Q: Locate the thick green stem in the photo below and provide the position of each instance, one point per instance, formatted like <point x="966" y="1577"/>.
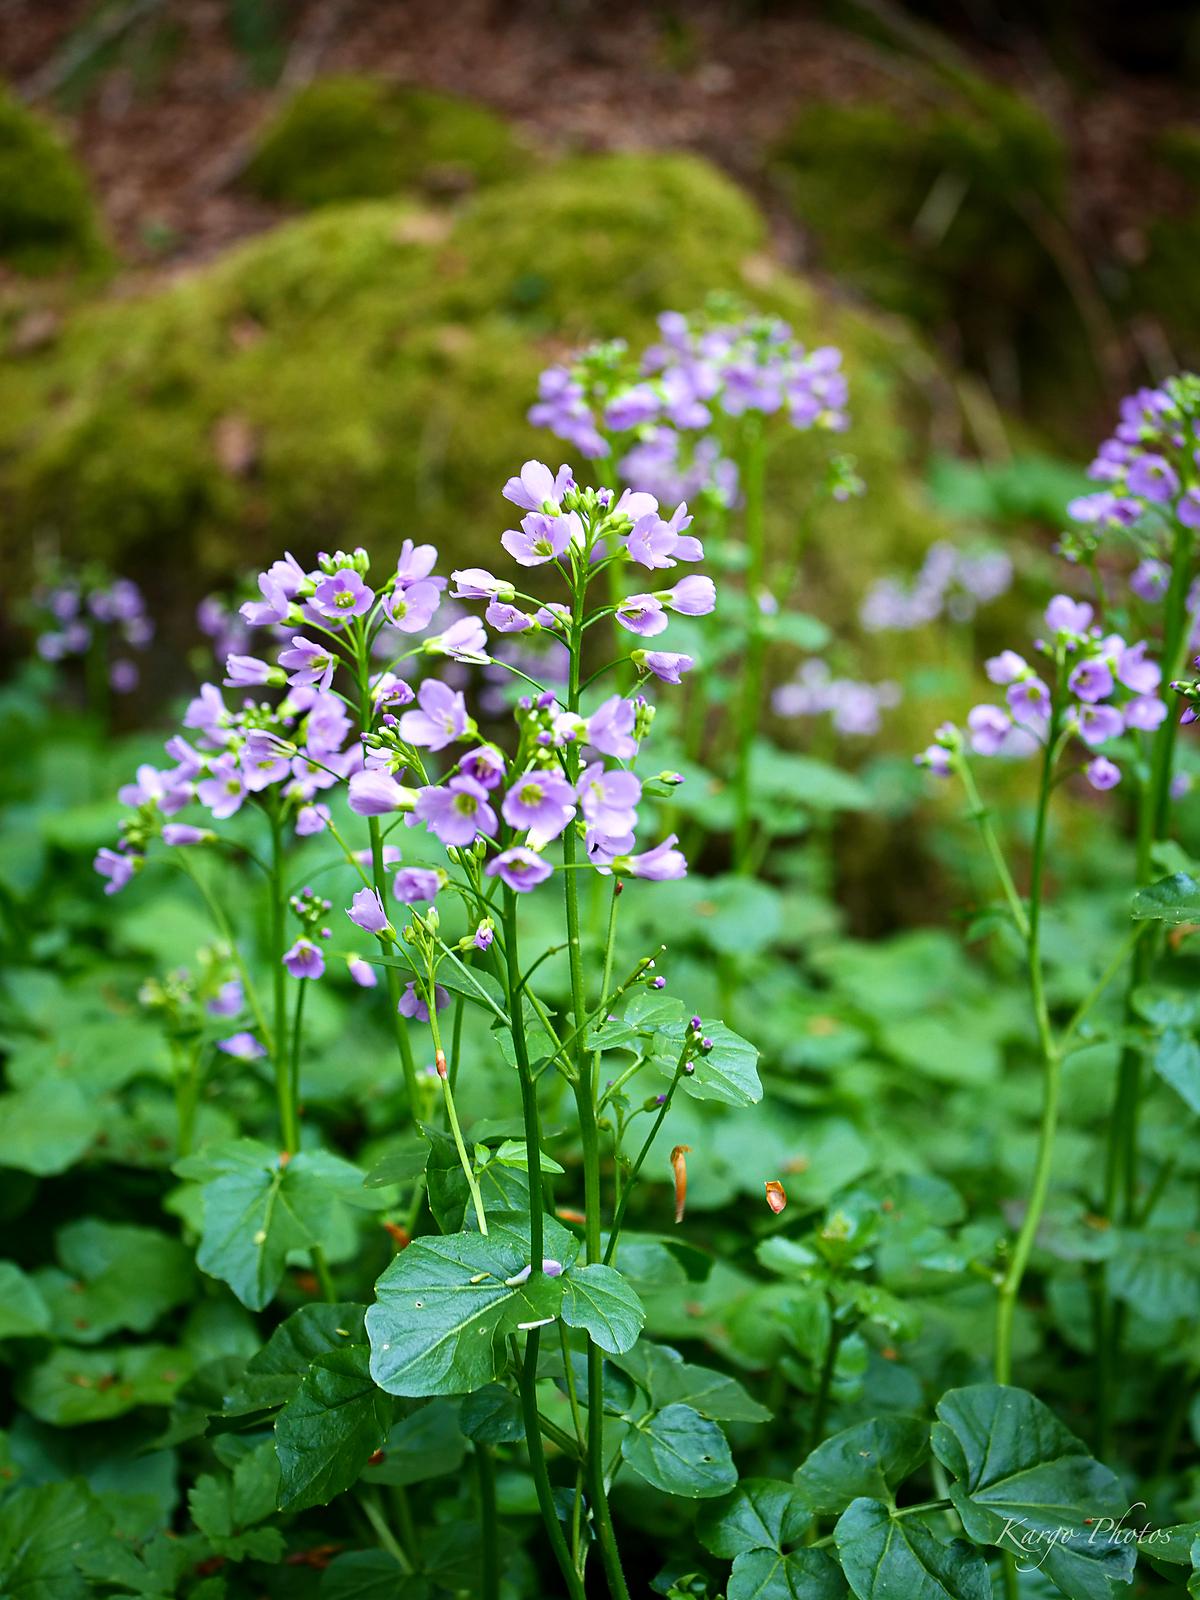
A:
<point x="289" y="1127"/>
<point x="486" y="1470"/>
<point x="749" y="707"/>
<point x="1010" y="1286"/>
<point x="537" y="1464"/>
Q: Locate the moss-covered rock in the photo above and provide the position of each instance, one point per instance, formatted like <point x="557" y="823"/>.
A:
<point x="363" y="374"/>
<point x="352" y="138"/>
<point x="48" y="222"/>
<point x="949" y="210"/>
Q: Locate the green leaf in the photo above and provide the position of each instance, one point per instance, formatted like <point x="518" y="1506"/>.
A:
<point x="274" y="1373"/>
<point x="866" y="1461"/>
<point x="113" y="1276"/>
<point x="805" y="781"/>
<point x="727" y="1073"/>
<point x="492" y="1415"/>
<point x="1025" y="1481"/>
<point x="46" y="1127"/>
<point x="598" y="1298"/>
<point x="769" y="1575"/>
<point x="680" y="1452"/>
<point x="1156" y="1270"/>
<point x="1176" y="1059"/>
<point x="426" y="1444"/>
<point x="44" y="1532"/>
<point x="259" y="1207"/>
<point x="445" y="1305"/>
<point x="760" y="1514"/>
<point x="226" y="1509"/>
<point x="400" y="1166"/>
<point x="883" y="1555"/>
<point x="1174" y="900"/>
<point x="23" y="1312"/>
<point x="796" y="628"/>
<point x="76" y="1386"/>
<point x="667" y="1378"/>
<point x="328" y="1431"/>
<point x="369" y="1575"/>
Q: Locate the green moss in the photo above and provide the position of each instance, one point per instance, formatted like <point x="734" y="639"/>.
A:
<point x="47" y="219"/>
<point x="380" y="360"/>
<point x="359" y="138"/>
<point x="950" y="212"/>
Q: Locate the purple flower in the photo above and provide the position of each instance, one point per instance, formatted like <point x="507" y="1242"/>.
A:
<point x="366" y="912"/>
<point x="666" y="665"/>
<point x="362" y="972"/>
<point x="342" y="594"/>
<point x="374" y="793"/>
<point x="117" y="866"/>
<point x="223" y="790"/>
<point x="507" y="618"/>
<point x="1099" y="723"/>
<point x="484" y="934"/>
<point x="1064" y="615"/>
<point x="1135" y="672"/>
<point x="441" y="720"/>
<point x="228" y="1000"/>
<point x="659" y="865"/>
<point x="642" y="614"/>
<point x="537" y="486"/>
<point x="989" y="728"/>
<point x="1145" y="711"/>
<point x="311" y="819"/>
<point x="519" y="868"/>
<point x="485" y="764"/>
<point x="1102" y="773"/>
<point x="464" y="640"/>
<point x="1188" y="508"/>
<point x="123" y="676"/>
<point x="609" y="799"/>
<point x="1150" y="579"/>
<point x="272" y="608"/>
<point x="1029" y="700"/>
<point x="476" y="583"/>
<point x="416" y="885"/>
<point x="416" y="563"/>
<point x="542" y="800"/>
<point x="1153" y="478"/>
<point x="541" y="538"/>
<point x="610" y="729"/>
<point x="651" y="543"/>
<point x="308" y="663"/>
<point x="242" y="1047"/>
<point x="1181" y="784"/>
<point x="937" y="758"/>
<point x="411" y="609"/>
<point x="305" y="960"/>
<point x="245" y="672"/>
<point x="1091" y="680"/>
<point x="693" y="596"/>
<point x="457" y="812"/>
<point x="180" y="833"/>
<point x="413" y="1004"/>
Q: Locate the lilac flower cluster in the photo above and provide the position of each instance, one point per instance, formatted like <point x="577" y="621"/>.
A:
<point x="418" y="754"/>
<point x="951" y="581"/>
<point x="852" y="707"/>
<point x="1101" y="688"/>
<point x="662" y="414"/>
<point x="1148" y="469"/>
<point x="78" y="613"/>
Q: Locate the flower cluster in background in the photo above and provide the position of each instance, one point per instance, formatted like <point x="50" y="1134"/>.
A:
<point x="951" y="581"/>
<point x="1100" y="688"/>
<point x="79" y="615"/>
<point x="667" y="416"/>
<point x="852" y="707"/>
<point x="1148" y="468"/>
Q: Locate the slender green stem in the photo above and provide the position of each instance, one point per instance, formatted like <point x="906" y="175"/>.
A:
<point x="537" y="1464"/>
<point x="816" y="1427"/>
<point x="289" y="1127"/>
<point x="983" y="817"/>
<point x="221" y="922"/>
<point x="443" y="1073"/>
<point x="619" y="1218"/>
<point x="1010" y="1285"/>
<point x="368" y="1500"/>
<point x="754" y="481"/>
<point x="187" y="1092"/>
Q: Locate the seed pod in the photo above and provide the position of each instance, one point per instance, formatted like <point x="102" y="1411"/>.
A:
<point x="776" y="1195"/>
<point x="679" y="1167"/>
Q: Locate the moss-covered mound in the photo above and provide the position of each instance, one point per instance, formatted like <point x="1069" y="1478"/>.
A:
<point x="352" y="138"/>
<point x="950" y="210"/>
<point x="363" y="374"/>
<point x="48" y="222"/>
